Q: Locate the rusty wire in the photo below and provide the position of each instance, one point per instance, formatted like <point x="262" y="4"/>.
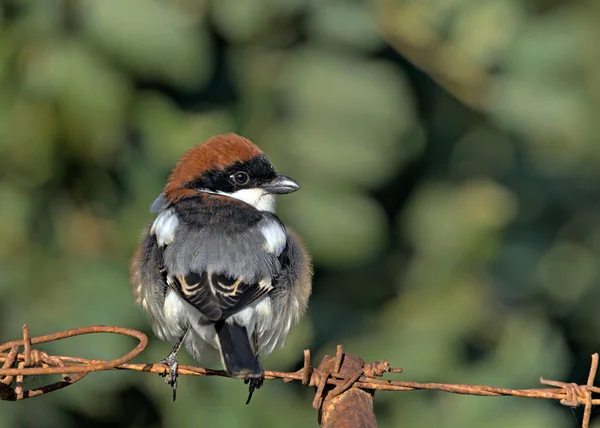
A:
<point x="36" y="362"/>
<point x="327" y="378"/>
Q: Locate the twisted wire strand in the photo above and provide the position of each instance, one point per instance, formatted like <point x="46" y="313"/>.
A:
<point x="326" y="378"/>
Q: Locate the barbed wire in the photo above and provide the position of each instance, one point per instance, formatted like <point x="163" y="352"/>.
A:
<point x="333" y="377"/>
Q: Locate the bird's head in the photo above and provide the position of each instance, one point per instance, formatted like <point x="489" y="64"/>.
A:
<point x="228" y="165"/>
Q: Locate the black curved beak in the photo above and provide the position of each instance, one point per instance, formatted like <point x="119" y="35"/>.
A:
<point x="281" y="185"/>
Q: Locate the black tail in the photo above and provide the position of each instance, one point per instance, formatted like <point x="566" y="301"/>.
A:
<point x="238" y="356"/>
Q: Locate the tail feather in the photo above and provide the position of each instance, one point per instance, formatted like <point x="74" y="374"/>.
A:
<point x="237" y="354"/>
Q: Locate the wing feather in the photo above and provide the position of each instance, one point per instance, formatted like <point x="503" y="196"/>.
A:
<point x="217" y="296"/>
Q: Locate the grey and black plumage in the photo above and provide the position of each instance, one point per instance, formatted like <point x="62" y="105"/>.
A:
<point x="217" y="269"/>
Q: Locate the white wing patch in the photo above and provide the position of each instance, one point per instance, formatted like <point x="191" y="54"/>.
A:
<point x="274" y="235"/>
<point x="164" y="227"/>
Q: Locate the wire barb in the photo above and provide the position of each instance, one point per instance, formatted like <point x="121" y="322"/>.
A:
<point x="576" y="395"/>
<point x="333" y="377"/>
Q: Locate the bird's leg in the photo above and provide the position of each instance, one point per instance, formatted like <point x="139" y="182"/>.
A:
<point x="255" y="382"/>
<point x="171" y="361"/>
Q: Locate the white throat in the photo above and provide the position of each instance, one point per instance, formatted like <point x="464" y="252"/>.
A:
<point x="256" y="197"/>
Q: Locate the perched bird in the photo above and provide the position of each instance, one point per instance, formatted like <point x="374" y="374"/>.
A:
<point x="217" y="268"/>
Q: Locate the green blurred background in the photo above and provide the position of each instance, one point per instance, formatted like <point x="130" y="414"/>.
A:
<point x="450" y="196"/>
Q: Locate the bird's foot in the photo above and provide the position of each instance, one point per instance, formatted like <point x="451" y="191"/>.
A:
<point x="171" y="377"/>
<point x="254" y="384"/>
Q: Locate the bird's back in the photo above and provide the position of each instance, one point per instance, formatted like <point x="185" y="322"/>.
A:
<point x="225" y="239"/>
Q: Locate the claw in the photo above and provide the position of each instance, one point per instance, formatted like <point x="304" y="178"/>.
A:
<point x="254" y="384"/>
<point x="171" y="377"/>
<point x="171" y="362"/>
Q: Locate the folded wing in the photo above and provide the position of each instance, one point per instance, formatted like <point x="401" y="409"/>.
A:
<point x="217" y="296"/>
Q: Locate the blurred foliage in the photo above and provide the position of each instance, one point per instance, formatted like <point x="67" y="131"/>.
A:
<point x="457" y="239"/>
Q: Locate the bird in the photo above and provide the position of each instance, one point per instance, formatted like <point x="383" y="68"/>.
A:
<point x="217" y="269"/>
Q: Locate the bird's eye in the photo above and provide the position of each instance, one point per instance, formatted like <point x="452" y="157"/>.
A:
<point x="240" y="178"/>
